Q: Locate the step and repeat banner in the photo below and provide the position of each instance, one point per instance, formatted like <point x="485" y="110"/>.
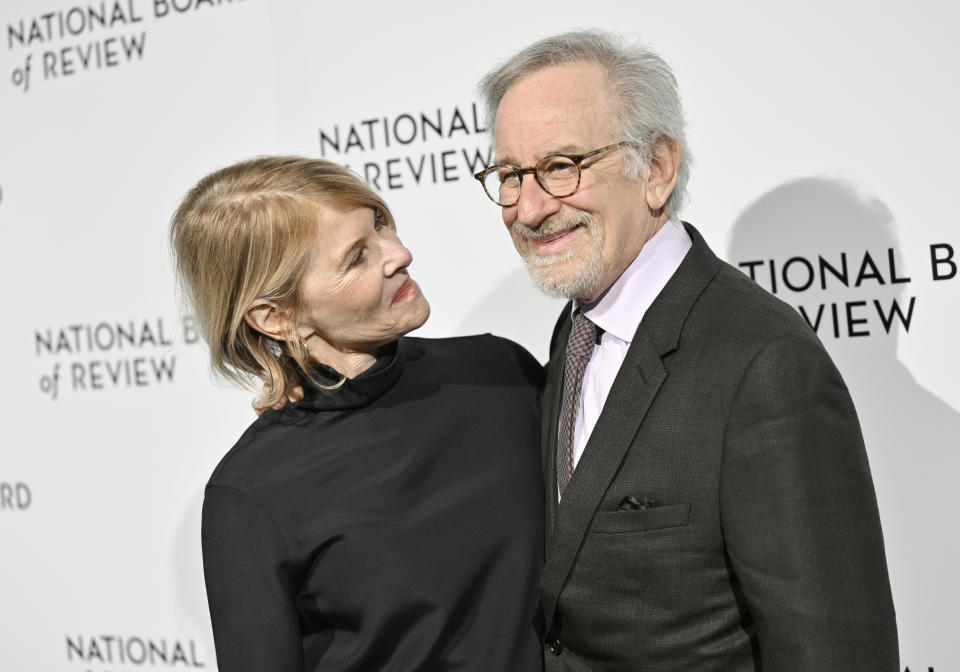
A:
<point x="826" y="158"/>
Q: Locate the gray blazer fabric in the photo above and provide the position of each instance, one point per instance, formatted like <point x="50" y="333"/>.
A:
<point x="765" y="550"/>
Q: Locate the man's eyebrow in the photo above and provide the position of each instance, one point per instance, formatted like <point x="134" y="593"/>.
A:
<point x="564" y="149"/>
<point x="553" y="151"/>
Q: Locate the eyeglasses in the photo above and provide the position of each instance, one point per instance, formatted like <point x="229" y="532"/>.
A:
<point x="558" y="175"/>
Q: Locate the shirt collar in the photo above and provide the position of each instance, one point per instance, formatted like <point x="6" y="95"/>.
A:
<point x="622" y="307"/>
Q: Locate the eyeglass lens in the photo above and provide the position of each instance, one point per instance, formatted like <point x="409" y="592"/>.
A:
<point x="558" y="175"/>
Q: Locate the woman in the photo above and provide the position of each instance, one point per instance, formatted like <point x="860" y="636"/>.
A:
<point x="392" y="519"/>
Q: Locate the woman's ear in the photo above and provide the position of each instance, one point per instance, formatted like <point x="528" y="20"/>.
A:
<point x="268" y="319"/>
<point x="663" y="171"/>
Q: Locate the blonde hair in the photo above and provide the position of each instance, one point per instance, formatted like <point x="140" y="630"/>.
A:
<point x="246" y="233"/>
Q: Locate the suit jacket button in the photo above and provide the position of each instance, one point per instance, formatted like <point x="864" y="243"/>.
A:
<point x="554" y="646"/>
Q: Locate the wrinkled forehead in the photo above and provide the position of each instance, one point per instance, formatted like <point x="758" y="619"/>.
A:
<point x="560" y="108"/>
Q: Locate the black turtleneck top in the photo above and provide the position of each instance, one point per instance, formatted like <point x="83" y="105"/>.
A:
<point x="394" y="524"/>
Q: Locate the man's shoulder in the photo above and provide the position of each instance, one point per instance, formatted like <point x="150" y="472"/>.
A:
<point x="709" y="300"/>
<point x="747" y="304"/>
<point x="734" y="319"/>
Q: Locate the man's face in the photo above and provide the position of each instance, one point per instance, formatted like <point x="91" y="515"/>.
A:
<point x="576" y="246"/>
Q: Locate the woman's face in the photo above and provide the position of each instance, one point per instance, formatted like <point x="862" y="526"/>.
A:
<point x="357" y="295"/>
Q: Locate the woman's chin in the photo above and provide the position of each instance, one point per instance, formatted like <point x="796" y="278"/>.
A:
<point x="420" y="314"/>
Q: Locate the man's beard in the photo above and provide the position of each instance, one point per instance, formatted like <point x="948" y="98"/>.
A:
<point x="583" y="281"/>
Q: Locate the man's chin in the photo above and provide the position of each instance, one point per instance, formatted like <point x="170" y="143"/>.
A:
<point x="562" y="283"/>
<point x="548" y="262"/>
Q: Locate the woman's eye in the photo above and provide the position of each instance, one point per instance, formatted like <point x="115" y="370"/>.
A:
<point x="358" y="258"/>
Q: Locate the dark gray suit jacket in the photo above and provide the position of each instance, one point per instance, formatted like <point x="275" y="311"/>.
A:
<point x="765" y="550"/>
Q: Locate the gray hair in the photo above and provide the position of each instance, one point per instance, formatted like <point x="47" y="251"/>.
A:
<point x="642" y="83"/>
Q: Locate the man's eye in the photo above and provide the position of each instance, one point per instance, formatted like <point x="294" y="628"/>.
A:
<point x="557" y="167"/>
<point x="507" y="177"/>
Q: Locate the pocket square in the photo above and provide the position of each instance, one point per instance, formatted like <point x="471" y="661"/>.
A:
<point x="631" y="503"/>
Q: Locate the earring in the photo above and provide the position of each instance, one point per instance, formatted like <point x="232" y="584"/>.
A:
<point x="274" y="348"/>
<point x="336" y="386"/>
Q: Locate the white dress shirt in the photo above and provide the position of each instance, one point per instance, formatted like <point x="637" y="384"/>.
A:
<point x="618" y="314"/>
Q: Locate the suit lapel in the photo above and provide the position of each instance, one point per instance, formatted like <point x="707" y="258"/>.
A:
<point x="635" y="387"/>
<point x="551" y="418"/>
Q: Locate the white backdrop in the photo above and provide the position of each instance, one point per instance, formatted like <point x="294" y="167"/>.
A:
<point x="822" y="134"/>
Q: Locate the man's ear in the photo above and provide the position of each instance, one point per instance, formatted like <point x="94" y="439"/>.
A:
<point x="268" y="319"/>
<point x="663" y="171"/>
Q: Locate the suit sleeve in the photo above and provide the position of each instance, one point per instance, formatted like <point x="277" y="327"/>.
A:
<point x="249" y="590"/>
<point x="800" y="517"/>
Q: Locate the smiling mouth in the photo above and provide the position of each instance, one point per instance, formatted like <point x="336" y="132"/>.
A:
<point x="407" y="289"/>
<point x="546" y="244"/>
<point x="546" y="240"/>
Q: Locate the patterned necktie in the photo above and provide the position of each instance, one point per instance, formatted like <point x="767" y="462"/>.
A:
<point x="579" y="348"/>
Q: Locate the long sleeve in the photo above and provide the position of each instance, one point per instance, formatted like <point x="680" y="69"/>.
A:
<point x="800" y="518"/>
<point x="251" y="597"/>
<point x="391" y="524"/>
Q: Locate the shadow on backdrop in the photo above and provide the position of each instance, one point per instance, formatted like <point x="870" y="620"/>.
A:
<point x="786" y="239"/>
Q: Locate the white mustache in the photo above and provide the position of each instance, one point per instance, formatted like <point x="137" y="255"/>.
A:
<point x="552" y="225"/>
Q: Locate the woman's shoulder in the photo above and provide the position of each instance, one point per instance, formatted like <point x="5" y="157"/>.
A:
<point x="483" y="355"/>
<point x="253" y="460"/>
<point x="486" y="346"/>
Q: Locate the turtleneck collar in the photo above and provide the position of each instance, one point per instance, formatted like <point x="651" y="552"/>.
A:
<point x="355" y="392"/>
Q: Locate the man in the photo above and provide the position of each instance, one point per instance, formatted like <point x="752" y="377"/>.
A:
<point x="709" y="502"/>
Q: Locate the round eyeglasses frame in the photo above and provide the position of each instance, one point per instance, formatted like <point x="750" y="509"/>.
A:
<point x="537" y="171"/>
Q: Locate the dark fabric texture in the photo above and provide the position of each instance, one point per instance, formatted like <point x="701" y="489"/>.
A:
<point x="393" y="524"/>
<point x="762" y="548"/>
<point x="579" y="348"/>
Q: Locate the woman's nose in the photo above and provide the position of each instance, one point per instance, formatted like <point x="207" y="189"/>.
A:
<point x="396" y="255"/>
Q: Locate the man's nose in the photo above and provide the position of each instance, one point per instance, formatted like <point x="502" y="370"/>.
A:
<point x="535" y="204"/>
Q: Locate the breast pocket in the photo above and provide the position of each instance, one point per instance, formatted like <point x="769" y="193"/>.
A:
<point x="641" y="520"/>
